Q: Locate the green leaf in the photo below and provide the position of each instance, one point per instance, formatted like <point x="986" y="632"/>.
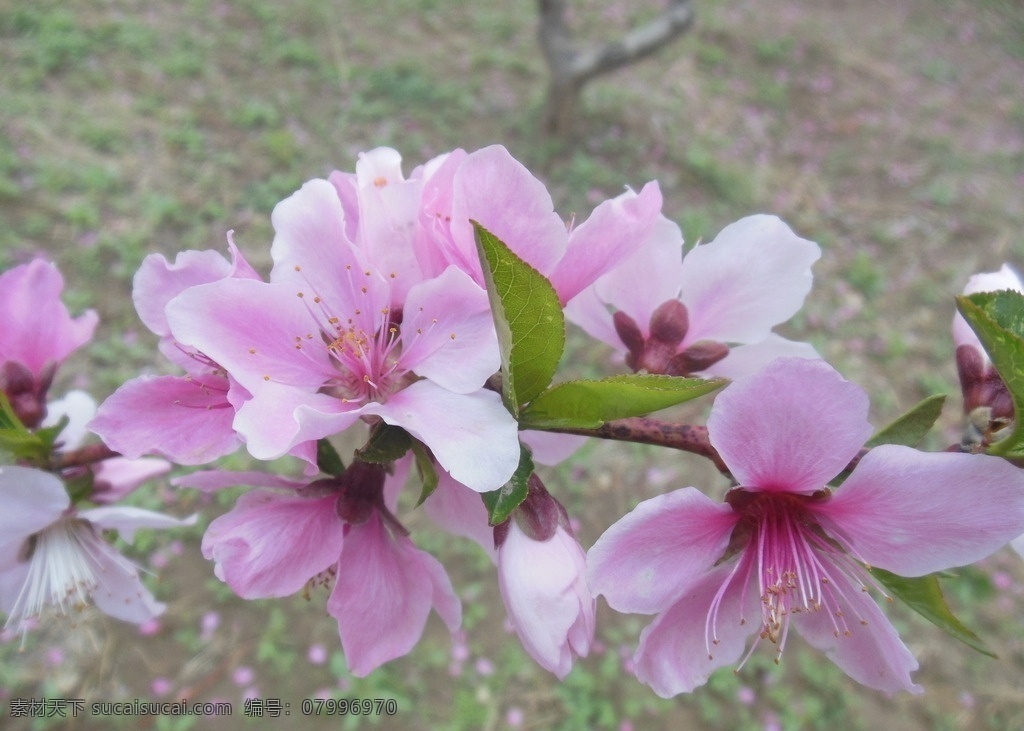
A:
<point x="912" y="427"/>
<point x="328" y="460"/>
<point x="924" y="595"/>
<point x="386" y="444"/>
<point x="528" y="317"/>
<point x="425" y="467"/>
<point x="8" y="419"/>
<point x="998" y="320"/>
<point x="589" y="404"/>
<point x="501" y="502"/>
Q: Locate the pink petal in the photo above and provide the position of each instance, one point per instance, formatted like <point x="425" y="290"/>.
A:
<point x="211" y="480"/>
<point x="389" y="209"/>
<point x="252" y="330"/>
<point x="914" y="512"/>
<point x="126" y="519"/>
<point x="38" y="328"/>
<point x="479" y="447"/>
<point x="651" y="556"/>
<point x="383" y="593"/>
<point x="754" y="275"/>
<point x="271" y="544"/>
<point x="187" y="419"/>
<point x="279" y="418"/>
<point x="158" y="281"/>
<point x="872" y="653"/>
<point x="658" y="265"/>
<point x="543" y="587"/>
<point x="792" y="426"/>
<point x="616" y="229"/>
<point x="120" y="593"/>
<point x="589" y="312"/>
<point x="677" y="652"/>
<point x="744" y="360"/>
<point x="494" y="189"/>
<point x="313" y="255"/>
<point x="448" y="333"/>
<point x="548" y="448"/>
<point x="460" y="511"/>
<point x="117" y="477"/>
<point x="32" y="500"/>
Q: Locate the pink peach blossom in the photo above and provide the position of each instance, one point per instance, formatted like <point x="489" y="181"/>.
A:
<point x="786" y="552"/>
<point x="710" y="312"/>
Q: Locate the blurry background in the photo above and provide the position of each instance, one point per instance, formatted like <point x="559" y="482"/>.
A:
<point x="891" y="133"/>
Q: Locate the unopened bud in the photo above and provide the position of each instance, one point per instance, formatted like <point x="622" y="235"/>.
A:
<point x="670" y="322"/>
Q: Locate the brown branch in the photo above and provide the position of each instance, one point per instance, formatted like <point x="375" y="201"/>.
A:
<point x="643" y="430"/>
<point x="571" y="67"/>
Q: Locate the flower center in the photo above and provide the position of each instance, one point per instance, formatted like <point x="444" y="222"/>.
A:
<point x="794" y="565"/>
<point x="65" y="560"/>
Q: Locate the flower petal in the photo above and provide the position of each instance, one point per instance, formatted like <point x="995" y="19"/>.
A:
<point x="253" y="331"/>
<point x="496" y="190"/>
<point x="383" y="593"/>
<point x="187" y="419"/>
<point x="792" y="426"/>
<point x="658" y="265"/>
<point x="744" y="360"/>
<point x="37" y="326"/>
<point x="126" y="519"/>
<point x="32" y="500"/>
<point x="615" y="229"/>
<point x="448" y="332"/>
<point x="543" y="587"/>
<point x="754" y="275"/>
<point x="120" y="592"/>
<point x="460" y="511"/>
<point x="271" y="545"/>
<point x="869" y="650"/>
<point x="479" y="446"/>
<point x="914" y="512"/>
<point x="675" y="654"/>
<point x="659" y="551"/>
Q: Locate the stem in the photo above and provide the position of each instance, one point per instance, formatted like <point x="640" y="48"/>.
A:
<point x="84" y="456"/>
<point x="644" y="430"/>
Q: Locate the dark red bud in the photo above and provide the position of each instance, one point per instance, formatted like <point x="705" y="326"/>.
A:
<point x="670" y="322"/>
<point x="630" y="335"/>
<point x="540" y="515"/>
<point x="698" y="357"/>
<point x="27" y="398"/>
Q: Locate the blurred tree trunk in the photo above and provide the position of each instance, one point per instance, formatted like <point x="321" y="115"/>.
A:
<point x="571" y="66"/>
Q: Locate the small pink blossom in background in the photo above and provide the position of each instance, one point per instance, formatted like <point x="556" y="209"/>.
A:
<point x="55" y="656"/>
<point x="515" y="717"/>
<point x="317" y="654"/>
<point x="783" y="551"/>
<point x="161" y="686"/>
<point x="150" y="627"/>
<point x="243" y="675"/>
<point x="208" y="624"/>
<point x="484" y="667"/>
